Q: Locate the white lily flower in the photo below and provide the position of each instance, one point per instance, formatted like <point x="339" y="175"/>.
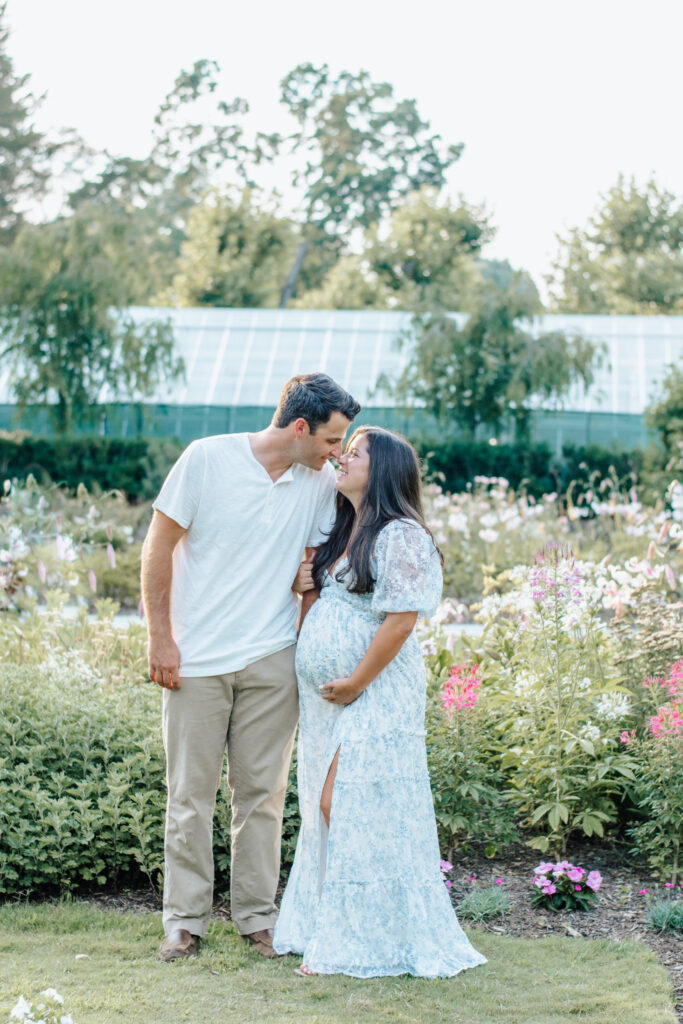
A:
<point x="52" y="993"/>
<point x="20" y="1009"/>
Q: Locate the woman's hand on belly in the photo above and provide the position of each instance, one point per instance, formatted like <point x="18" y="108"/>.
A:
<point x="341" y="691"/>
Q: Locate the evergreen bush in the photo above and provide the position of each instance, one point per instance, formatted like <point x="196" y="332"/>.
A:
<point x="454" y="463"/>
<point x="136" y="466"/>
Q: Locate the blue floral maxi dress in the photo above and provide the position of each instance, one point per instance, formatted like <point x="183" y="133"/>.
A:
<point x="366" y="898"/>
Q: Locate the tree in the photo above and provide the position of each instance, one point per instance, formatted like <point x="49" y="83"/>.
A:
<point x="60" y="333"/>
<point x="422" y="258"/>
<point x="364" y="151"/>
<point x="629" y="259"/>
<point x="349" y="284"/>
<point x="237" y="252"/>
<point x="425" y="254"/>
<point x="154" y="196"/>
<point x="665" y="413"/>
<point x="24" y="153"/>
<point x="489" y="370"/>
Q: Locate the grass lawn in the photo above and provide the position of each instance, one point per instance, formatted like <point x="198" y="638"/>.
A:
<point x="543" y="981"/>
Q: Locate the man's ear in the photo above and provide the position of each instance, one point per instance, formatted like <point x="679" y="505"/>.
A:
<point x="301" y="428"/>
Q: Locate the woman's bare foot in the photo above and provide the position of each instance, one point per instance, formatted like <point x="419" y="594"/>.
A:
<point x="305" y="971"/>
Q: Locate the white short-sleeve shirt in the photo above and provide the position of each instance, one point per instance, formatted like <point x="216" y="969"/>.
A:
<point x="231" y="596"/>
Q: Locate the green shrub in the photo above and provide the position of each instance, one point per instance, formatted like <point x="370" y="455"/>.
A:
<point x="136" y="466"/>
<point x="666" y="915"/>
<point x="464" y="763"/>
<point x="122" y="582"/>
<point x="455" y="463"/>
<point x="484" y="904"/>
<point x="82" y="767"/>
<point x="82" y="792"/>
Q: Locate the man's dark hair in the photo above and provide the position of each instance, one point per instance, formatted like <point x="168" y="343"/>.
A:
<point x="313" y="397"/>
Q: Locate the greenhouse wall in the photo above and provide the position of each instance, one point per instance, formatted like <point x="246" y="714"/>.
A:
<point x="187" y="422"/>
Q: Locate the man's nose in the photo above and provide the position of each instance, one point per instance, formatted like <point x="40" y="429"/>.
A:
<point x="336" y="453"/>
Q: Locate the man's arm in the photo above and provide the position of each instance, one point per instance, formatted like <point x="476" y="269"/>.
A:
<point x="304" y="585"/>
<point x="157" y="573"/>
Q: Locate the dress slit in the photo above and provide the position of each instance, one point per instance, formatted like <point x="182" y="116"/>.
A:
<point x="323" y="828"/>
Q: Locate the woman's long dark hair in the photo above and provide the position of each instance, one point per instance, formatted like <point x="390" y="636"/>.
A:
<point x="393" y="492"/>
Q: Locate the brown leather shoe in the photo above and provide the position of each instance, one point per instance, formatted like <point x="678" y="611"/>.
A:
<point x="262" y="942"/>
<point x="178" y="944"/>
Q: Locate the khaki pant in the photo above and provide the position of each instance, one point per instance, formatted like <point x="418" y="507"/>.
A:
<point x="255" y="712"/>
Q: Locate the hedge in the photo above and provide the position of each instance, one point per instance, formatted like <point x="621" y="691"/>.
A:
<point x="136" y="466"/>
<point x="453" y="463"/>
<point x="82" y="785"/>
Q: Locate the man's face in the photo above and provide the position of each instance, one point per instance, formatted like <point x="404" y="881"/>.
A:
<point x="326" y="443"/>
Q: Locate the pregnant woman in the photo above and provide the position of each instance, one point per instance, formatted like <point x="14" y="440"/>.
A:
<point x="365" y="895"/>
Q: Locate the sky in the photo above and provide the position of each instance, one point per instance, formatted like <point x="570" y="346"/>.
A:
<point x="552" y="99"/>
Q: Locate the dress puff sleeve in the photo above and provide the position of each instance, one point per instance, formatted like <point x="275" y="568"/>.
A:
<point x="408" y="575"/>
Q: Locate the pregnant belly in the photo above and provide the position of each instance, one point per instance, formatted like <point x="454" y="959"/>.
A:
<point x="332" y="641"/>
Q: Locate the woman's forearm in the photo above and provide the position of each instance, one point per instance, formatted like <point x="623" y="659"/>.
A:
<point x="386" y="643"/>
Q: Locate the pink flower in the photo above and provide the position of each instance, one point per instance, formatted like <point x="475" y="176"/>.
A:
<point x="675" y="678"/>
<point x="594" y="880"/>
<point x="111" y="555"/>
<point x="499" y="881"/>
<point x="641" y="892"/>
<point x="549" y="889"/>
<point x="541" y="882"/>
<point x="460" y="690"/>
<point x="472" y="878"/>
<point x="448" y="884"/>
<point x="627" y="736"/>
<point x="575" y="875"/>
<point x="577" y="888"/>
<point x="544" y="867"/>
<point x="446" y="865"/>
<point x="92" y="580"/>
<point x="669" y="885"/>
<point x="667" y="722"/>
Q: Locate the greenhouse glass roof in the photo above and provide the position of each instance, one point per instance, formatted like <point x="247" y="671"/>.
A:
<point x="242" y="357"/>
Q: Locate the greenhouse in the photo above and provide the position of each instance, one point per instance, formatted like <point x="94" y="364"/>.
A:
<point x="236" y="361"/>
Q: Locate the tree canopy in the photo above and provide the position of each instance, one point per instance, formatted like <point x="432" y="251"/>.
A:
<point x="237" y="252"/>
<point x="361" y="152"/>
<point x="665" y="412"/>
<point x="490" y="370"/>
<point x="629" y="258"/>
<point x="24" y="151"/>
<point x="61" y="333"/>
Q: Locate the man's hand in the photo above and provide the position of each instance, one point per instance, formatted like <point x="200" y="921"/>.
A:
<point x="303" y="580"/>
<point x="341" y="691"/>
<point x="163" y="658"/>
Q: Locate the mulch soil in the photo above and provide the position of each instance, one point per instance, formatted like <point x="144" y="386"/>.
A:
<point x="619" y="913"/>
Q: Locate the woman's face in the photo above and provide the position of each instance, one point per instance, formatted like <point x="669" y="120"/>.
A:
<point x="354" y="469"/>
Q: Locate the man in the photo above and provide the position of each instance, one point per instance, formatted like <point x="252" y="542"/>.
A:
<point x="230" y="526"/>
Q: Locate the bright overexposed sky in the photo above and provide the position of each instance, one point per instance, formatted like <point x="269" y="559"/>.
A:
<point x="552" y="98"/>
